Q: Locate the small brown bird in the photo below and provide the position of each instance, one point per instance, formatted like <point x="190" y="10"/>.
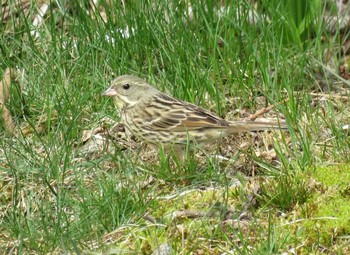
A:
<point x="157" y="118"/>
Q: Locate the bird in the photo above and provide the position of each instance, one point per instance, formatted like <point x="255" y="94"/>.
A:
<point x="158" y="118"/>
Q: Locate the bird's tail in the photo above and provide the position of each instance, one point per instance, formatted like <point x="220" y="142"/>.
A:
<point x="249" y="125"/>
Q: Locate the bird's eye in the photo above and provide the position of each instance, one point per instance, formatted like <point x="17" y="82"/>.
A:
<point x="126" y="86"/>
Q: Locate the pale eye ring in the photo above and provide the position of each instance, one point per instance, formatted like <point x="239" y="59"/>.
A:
<point x="126" y="86"/>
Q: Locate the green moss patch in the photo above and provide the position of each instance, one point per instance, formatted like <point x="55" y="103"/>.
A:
<point x="328" y="211"/>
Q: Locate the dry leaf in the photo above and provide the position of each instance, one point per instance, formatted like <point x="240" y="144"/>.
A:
<point x="5" y="84"/>
<point x="87" y="134"/>
<point x="7" y="119"/>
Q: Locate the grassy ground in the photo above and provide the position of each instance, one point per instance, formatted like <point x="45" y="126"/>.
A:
<point x="70" y="184"/>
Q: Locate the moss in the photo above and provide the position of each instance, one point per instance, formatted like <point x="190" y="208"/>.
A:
<point x="336" y="176"/>
<point x="328" y="212"/>
<point x="201" y="200"/>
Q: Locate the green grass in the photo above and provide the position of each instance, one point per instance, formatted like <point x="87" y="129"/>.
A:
<point x="56" y="197"/>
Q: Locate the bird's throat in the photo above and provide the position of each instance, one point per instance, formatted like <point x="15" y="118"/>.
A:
<point x="123" y="103"/>
<point x="119" y="103"/>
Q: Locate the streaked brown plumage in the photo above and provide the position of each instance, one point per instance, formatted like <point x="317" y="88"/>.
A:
<point x="157" y="118"/>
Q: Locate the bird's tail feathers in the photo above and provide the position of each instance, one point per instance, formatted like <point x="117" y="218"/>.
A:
<point x="249" y="125"/>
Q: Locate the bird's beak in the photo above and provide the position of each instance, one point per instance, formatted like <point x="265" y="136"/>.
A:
<point x="110" y="92"/>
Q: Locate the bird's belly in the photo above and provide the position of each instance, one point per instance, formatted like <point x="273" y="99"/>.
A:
<point x="169" y="137"/>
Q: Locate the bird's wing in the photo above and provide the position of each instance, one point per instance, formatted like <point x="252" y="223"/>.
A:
<point x="172" y="114"/>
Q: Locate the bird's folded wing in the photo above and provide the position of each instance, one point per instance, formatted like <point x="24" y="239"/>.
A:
<point x="181" y="117"/>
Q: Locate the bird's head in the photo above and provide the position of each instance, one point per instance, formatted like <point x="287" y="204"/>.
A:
<point x="128" y="90"/>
